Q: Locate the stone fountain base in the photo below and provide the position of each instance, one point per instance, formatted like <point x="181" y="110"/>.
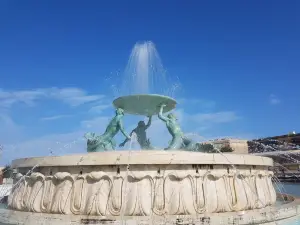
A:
<point x="284" y="214"/>
<point x="141" y="186"/>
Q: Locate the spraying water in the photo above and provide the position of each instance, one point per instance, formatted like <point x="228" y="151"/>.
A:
<point x="144" y="73"/>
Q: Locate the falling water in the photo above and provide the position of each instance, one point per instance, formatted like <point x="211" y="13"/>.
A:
<point x="269" y="147"/>
<point x="144" y="73"/>
<point x="133" y="141"/>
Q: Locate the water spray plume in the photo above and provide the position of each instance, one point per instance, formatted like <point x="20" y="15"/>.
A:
<point x="144" y="73"/>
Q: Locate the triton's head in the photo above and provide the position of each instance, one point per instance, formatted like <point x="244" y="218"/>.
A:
<point x="119" y="111"/>
<point x="141" y="124"/>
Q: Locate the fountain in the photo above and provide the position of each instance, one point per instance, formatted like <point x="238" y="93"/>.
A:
<point x="177" y="186"/>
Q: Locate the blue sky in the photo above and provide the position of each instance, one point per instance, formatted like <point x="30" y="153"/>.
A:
<point x="237" y="63"/>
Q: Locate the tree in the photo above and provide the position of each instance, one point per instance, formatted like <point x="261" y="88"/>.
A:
<point x="226" y="148"/>
<point x="7" y="172"/>
<point x="205" y="148"/>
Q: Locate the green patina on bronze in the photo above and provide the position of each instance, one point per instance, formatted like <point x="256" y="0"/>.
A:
<point x="105" y="141"/>
<point x="179" y="140"/>
<point x="140" y="132"/>
<point x="147" y="105"/>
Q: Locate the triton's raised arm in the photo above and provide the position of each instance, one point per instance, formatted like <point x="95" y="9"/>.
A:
<point x="126" y="140"/>
<point x="149" y="122"/>
<point x="122" y="129"/>
<point x="160" y="114"/>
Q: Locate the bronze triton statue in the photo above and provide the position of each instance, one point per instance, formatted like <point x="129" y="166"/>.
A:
<point x="179" y="140"/>
<point x="140" y="132"/>
<point x="105" y="141"/>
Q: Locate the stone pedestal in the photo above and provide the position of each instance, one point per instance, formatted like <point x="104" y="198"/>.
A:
<point x="145" y="187"/>
<point x="143" y="183"/>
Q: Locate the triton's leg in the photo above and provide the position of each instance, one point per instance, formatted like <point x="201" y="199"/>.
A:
<point x="101" y="144"/>
<point x="93" y="145"/>
<point x="100" y="147"/>
<point x="189" y="144"/>
<point x="110" y="145"/>
<point x="176" y="143"/>
<point x="149" y="146"/>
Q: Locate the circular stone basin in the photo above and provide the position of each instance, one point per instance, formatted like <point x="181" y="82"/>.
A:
<point x="146" y="105"/>
<point x="143" y="183"/>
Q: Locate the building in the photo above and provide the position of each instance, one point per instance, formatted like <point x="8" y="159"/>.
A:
<point x="291" y="138"/>
<point x="285" y="151"/>
<point x="288" y="142"/>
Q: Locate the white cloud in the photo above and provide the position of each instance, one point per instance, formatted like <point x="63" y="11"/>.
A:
<point x="16" y="140"/>
<point x="70" y="96"/>
<point x="8" y="98"/>
<point x="9" y="130"/>
<point x="99" y="108"/>
<point x="96" y="123"/>
<point x="53" y="144"/>
<point x="219" y="117"/>
<point x="274" y="100"/>
<point x="54" y="117"/>
<point x="202" y="103"/>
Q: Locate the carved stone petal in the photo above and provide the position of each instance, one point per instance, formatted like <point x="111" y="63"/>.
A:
<point x="62" y="175"/>
<point x="96" y="175"/>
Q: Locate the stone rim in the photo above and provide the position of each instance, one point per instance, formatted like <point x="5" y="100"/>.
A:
<point x="148" y="104"/>
<point x="155" y="157"/>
